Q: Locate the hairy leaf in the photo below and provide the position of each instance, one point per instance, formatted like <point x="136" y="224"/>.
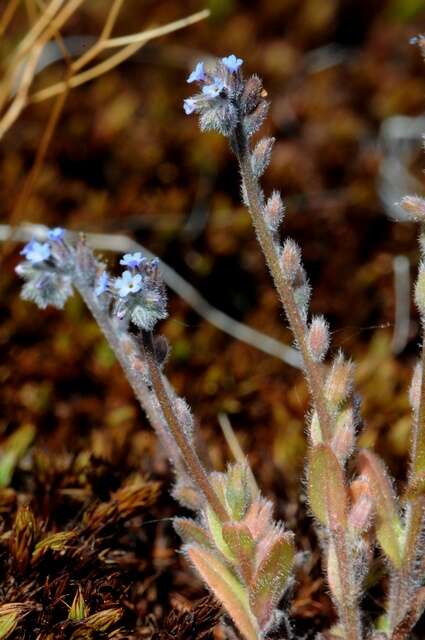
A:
<point x="388" y="525"/>
<point x="270" y="578"/>
<point x="326" y="489"/>
<point x="242" y="545"/>
<point x="227" y="588"/>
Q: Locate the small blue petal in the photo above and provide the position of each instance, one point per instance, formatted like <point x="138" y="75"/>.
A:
<point x="213" y="90"/>
<point x="132" y="260"/>
<point x="128" y="283"/>
<point x="55" y="234"/>
<point x="198" y="74"/>
<point x="36" y="252"/>
<point x="189" y="106"/>
<point x="102" y="284"/>
<point x="232" y="62"/>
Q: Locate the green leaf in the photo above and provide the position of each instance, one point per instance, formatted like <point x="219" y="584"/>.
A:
<point x="10" y="615"/>
<point x="227" y="588"/>
<point x="326" y="489"/>
<point x="270" y="578"/>
<point x="13" y="450"/>
<point x="216" y="530"/>
<point x="79" y="609"/>
<point x="242" y="545"/>
<point x="389" y="528"/>
<point x="237" y="490"/>
<point x="53" y="542"/>
<point x="191" y="531"/>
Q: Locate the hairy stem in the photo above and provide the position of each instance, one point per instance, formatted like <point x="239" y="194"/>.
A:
<point x="348" y="606"/>
<point x="114" y="338"/>
<point x="189" y="455"/>
<point x="283" y="287"/>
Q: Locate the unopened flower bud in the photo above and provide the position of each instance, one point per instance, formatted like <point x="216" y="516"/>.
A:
<point x="343" y="438"/>
<point x="318" y="338"/>
<point x="290" y="259"/>
<point x="361" y="513"/>
<point x="339" y="380"/>
<point x="273" y="211"/>
<point x="414" y="206"/>
<point x="184" y="416"/>
<point x="420" y="290"/>
<point x="261" y="156"/>
<point x="252" y="94"/>
<point x="359" y="487"/>
<point x="302" y="295"/>
<point x="252" y="122"/>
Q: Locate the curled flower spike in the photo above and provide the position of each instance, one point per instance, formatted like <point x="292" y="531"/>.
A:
<point x="232" y="62"/>
<point x="128" y="283"/>
<point x="198" y="74"/>
<point x="56" y="234"/>
<point x="102" y="284"/>
<point x="36" y="252"/>
<point x="132" y="260"/>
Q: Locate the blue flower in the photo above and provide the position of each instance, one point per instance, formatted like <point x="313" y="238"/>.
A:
<point x="213" y="90"/>
<point x="102" y="284"/>
<point x="55" y="234"/>
<point x="132" y="260"/>
<point x="198" y="74"/>
<point x="36" y="251"/>
<point x="128" y="283"/>
<point x="232" y="62"/>
<point x="189" y="106"/>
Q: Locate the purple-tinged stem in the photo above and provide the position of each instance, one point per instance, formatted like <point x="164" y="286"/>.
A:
<point x="188" y="453"/>
<point x="283" y="287"/>
<point x="403" y="582"/>
<point x="348" y="606"/>
<point x="115" y="338"/>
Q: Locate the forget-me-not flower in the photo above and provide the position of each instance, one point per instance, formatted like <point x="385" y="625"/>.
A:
<point x="214" y="89"/>
<point x="55" y="234"/>
<point x="198" y="74"/>
<point x="232" y="62"/>
<point x="102" y="284"/>
<point x="132" y="260"/>
<point x="36" y="251"/>
<point x="128" y="283"/>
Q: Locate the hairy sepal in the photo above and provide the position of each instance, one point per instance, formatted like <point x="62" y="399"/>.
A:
<point x="190" y="531"/>
<point x="227" y="589"/>
<point x="270" y="578"/>
<point x="326" y="488"/>
<point x="242" y="545"/>
<point x="389" y="528"/>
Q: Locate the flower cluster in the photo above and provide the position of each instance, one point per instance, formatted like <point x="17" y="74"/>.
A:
<point x="51" y="268"/>
<point x="47" y="270"/>
<point x="140" y="293"/>
<point x="225" y="99"/>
